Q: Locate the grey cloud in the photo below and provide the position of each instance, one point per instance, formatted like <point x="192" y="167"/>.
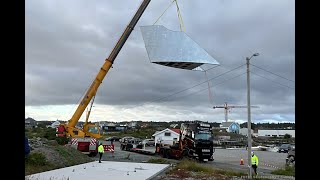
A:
<point x="67" y="42"/>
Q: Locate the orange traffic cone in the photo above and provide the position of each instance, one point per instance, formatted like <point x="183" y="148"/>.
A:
<point x="241" y="162"/>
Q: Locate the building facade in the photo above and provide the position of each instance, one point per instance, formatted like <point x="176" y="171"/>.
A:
<point x="231" y="127"/>
<point x="275" y="132"/>
<point x="167" y="136"/>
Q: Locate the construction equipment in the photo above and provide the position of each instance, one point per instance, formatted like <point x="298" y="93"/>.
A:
<point x="227" y="109"/>
<point x="85" y="139"/>
<point x="195" y="141"/>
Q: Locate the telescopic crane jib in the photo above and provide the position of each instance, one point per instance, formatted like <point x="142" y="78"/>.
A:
<point x="92" y="130"/>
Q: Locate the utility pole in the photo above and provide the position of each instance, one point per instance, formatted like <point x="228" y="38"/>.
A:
<point x="227" y="108"/>
<point x="249" y="115"/>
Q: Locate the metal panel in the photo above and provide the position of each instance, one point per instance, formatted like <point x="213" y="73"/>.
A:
<point x="175" y="49"/>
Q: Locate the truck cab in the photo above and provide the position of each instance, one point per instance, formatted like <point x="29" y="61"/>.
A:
<point x="195" y="141"/>
<point x="199" y="139"/>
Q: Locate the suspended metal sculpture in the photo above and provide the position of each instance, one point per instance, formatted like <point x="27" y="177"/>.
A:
<point x="175" y="49"/>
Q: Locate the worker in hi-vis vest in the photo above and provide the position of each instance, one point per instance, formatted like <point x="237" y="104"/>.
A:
<point x="100" y="151"/>
<point x="254" y="162"/>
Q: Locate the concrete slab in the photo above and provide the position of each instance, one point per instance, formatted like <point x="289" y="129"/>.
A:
<point x="104" y="170"/>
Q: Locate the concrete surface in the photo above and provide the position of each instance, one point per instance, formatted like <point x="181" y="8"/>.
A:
<point x="104" y="170"/>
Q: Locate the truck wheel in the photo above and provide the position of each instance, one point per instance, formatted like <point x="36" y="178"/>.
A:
<point x="168" y="153"/>
<point x="161" y="152"/>
<point x="164" y="153"/>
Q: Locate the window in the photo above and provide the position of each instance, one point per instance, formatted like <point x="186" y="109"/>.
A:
<point x="167" y="134"/>
<point x="93" y="130"/>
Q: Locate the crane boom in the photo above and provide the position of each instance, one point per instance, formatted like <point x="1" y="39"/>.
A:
<point x="91" y="92"/>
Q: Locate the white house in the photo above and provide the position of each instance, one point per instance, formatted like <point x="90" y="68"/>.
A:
<point x="244" y="131"/>
<point x="167" y="136"/>
<point x="30" y="123"/>
<point x="275" y="132"/>
<point x="231" y="127"/>
<point x="54" y="124"/>
<point x="132" y="124"/>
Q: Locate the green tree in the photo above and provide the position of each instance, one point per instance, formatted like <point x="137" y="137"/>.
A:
<point x="287" y="136"/>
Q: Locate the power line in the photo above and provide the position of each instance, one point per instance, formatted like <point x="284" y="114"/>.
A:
<point x="272" y="73"/>
<point x="199" y="83"/>
<point x="272" y="80"/>
<point x="214" y="85"/>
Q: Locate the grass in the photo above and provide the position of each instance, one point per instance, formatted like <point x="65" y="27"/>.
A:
<point x="192" y="168"/>
<point x="69" y="157"/>
<point x="158" y="161"/>
<point x="287" y="171"/>
<point x="36" y="163"/>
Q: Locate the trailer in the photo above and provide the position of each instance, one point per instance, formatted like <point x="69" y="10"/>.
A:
<point x="195" y="142"/>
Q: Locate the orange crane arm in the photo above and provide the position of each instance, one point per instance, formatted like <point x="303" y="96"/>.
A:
<point x="104" y="69"/>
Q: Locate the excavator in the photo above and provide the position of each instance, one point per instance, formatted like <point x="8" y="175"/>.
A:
<point x="86" y="139"/>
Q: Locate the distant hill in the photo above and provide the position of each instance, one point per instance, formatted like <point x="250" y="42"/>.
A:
<point x="214" y="124"/>
<point x="270" y="125"/>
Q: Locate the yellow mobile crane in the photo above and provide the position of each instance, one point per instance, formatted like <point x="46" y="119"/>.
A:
<point x="85" y="139"/>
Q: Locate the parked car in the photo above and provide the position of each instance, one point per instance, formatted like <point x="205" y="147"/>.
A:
<point x="113" y="138"/>
<point x="285" y="148"/>
<point x="148" y="142"/>
<point x="290" y="160"/>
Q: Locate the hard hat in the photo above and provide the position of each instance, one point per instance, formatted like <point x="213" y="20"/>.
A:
<point x="252" y="153"/>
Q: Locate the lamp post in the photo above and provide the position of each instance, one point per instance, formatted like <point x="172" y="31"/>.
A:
<point x="249" y="114"/>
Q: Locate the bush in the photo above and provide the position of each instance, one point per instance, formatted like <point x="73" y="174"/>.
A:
<point x="36" y="159"/>
<point x="287" y="136"/>
<point x="62" y="140"/>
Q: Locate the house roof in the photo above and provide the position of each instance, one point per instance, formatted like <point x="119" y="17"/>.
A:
<point x="167" y="129"/>
<point x="111" y="125"/>
<point x="55" y="123"/>
<point x="175" y="130"/>
<point x="30" y="120"/>
<point x="226" y="124"/>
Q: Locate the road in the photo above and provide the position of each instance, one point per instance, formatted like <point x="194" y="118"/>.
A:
<point x="228" y="159"/>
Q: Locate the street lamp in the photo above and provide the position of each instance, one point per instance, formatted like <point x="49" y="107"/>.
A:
<point x="249" y="114"/>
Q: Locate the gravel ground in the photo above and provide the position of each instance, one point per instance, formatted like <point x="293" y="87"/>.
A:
<point x="224" y="159"/>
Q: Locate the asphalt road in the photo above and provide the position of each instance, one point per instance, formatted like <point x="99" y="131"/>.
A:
<point x="228" y="159"/>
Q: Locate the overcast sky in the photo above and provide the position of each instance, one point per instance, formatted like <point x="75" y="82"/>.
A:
<point x="66" y="43"/>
